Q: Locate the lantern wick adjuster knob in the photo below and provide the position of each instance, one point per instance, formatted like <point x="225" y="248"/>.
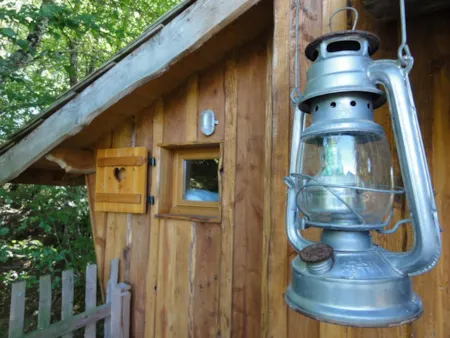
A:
<point x="318" y="258"/>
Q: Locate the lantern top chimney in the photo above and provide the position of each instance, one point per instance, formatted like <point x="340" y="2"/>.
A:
<point x="340" y="61"/>
<point x="342" y="41"/>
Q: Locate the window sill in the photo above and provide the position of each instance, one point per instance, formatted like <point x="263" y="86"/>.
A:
<point x="192" y="218"/>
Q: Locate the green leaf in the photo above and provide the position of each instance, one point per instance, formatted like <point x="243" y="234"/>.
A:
<point x="8" y="32"/>
<point x="23" y="44"/>
<point x="4" y="231"/>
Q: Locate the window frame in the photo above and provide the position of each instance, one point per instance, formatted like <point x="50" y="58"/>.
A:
<point x="170" y="202"/>
<point x="180" y="205"/>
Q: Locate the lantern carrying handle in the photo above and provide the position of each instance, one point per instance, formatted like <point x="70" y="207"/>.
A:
<point x="355" y="21"/>
<point x="419" y="193"/>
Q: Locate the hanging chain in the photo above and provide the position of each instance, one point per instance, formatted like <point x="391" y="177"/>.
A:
<point x="404" y="54"/>
<point x="295" y="93"/>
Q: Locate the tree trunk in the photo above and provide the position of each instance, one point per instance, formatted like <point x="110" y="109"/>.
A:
<point x="21" y="58"/>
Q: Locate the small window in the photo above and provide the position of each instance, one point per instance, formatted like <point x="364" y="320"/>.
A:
<point x="190" y="187"/>
<point x="201" y="182"/>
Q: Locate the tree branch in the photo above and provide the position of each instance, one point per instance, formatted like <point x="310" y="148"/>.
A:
<point x="21" y="58"/>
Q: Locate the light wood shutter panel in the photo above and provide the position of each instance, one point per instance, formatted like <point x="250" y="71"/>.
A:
<point x="121" y="180"/>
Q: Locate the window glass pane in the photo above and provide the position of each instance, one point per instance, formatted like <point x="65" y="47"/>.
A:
<point x="201" y="182"/>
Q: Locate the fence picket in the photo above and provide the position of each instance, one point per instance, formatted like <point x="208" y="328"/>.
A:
<point x="67" y="297"/>
<point x="16" y="316"/>
<point x="113" y="279"/>
<point x="45" y="302"/>
<point x="91" y="297"/>
<point x="126" y="310"/>
<point x="116" y="311"/>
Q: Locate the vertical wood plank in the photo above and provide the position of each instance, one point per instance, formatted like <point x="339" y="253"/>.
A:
<point x="206" y="281"/>
<point x="45" y="302"/>
<point x="67" y="297"/>
<point x="228" y="199"/>
<point x="283" y="321"/>
<point x="430" y="80"/>
<point x="151" y="285"/>
<point x="116" y="230"/>
<point x="90" y="297"/>
<point x="98" y="219"/>
<point x="98" y="226"/>
<point x="17" y="309"/>
<point x="267" y="219"/>
<point x="177" y="245"/>
<point x="192" y="109"/>
<point x="440" y="67"/>
<point x="126" y="311"/>
<point x="112" y="281"/>
<point x="211" y="96"/>
<point x="175" y="116"/>
<point x="249" y="190"/>
<point x="116" y="312"/>
<point x="140" y="229"/>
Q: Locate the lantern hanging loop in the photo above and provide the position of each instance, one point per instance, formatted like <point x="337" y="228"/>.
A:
<point x="404" y="53"/>
<point x="355" y="21"/>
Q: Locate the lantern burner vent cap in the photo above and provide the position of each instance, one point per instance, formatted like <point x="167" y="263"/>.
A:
<point x="345" y="37"/>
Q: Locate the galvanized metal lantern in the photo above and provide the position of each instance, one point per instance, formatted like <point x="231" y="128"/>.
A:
<point x="341" y="180"/>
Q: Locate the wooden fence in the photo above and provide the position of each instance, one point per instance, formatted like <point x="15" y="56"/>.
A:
<point x="115" y="312"/>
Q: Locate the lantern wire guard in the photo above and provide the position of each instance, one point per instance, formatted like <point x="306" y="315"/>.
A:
<point x="346" y="279"/>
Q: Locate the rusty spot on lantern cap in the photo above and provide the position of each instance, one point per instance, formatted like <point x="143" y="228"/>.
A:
<point x="316" y="253"/>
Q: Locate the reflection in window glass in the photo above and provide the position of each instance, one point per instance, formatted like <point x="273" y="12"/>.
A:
<point x="201" y="182"/>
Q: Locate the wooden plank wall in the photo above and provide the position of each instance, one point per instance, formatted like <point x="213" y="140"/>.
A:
<point x="190" y="278"/>
<point x="193" y="279"/>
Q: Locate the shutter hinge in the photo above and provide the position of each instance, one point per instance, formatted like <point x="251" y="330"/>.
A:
<point x="151" y="200"/>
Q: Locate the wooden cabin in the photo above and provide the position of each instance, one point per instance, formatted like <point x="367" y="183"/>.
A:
<point x="219" y="268"/>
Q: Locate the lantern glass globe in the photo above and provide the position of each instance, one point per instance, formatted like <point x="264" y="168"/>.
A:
<point x="343" y="174"/>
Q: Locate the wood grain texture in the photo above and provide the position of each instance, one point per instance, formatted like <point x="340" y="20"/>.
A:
<point x="175" y="123"/>
<point x="17" y="310"/>
<point x="177" y="249"/>
<point x="212" y="96"/>
<point x="121" y="184"/>
<point x="67" y="297"/>
<point x="251" y="87"/>
<point x="116" y="230"/>
<point x="73" y="160"/>
<point x="98" y="222"/>
<point x="205" y="281"/>
<point x="192" y="109"/>
<point x="228" y="198"/>
<point x="45" y="302"/>
<point x="277" y="148"/>
<point x="140" y="230"/>
<point x="90" y="297"/>
<point x="152" y="265"/>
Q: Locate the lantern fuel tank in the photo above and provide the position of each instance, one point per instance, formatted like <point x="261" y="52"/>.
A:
<point x="341" y="180"/>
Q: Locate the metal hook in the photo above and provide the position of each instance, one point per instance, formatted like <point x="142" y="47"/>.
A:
<point x="343" y="9"/>
<point x="404" y="54"/>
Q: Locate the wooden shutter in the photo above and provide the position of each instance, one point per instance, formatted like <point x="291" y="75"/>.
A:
<point x="121" y="180"/>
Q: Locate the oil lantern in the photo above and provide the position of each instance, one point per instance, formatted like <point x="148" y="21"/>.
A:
<point x="341" y="180"/>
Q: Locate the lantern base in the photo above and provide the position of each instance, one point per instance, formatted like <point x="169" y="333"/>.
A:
<point x="361" y="289"/>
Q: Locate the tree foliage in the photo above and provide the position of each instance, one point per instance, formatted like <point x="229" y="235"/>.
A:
<point x="46" y="46"/>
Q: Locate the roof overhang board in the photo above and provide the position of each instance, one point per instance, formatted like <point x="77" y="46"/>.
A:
<point x="182" y="36"/>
